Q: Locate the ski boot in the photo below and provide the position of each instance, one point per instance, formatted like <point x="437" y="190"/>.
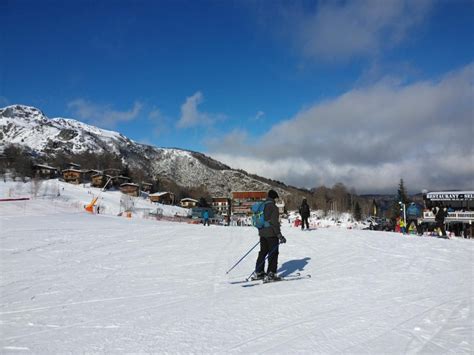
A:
<point x="272" y="277"/>
<point x="258" y="276"/>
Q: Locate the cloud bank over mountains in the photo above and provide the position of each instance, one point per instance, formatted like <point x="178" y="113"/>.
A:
<point x="369" y="138"/>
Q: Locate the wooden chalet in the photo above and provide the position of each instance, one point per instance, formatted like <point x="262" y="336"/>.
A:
<point x="188" y="202"/>
<point x="221" y="205"/>
<point x="73" y="166"/>
<point x="117" y="181"/>
<point x="242" y="201"/>
<point x="45" y="172"/>
<point x="166" y="198"/>
<point x="112" y="172"/>
<point x="72" y="176"/>
<point x="99" y="180"/>
<point x="87" y="174"/>
<point x="130" y="189"/>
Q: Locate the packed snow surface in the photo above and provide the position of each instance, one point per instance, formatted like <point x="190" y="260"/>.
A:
<point x="57" y="196"/>
<point x="72" y="282"/>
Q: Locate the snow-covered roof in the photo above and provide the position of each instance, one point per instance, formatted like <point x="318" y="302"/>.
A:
<point x="45" y="167"/>
<point x="129" y="184"/>
<point x="101" y="174"/>
<point x="157" y="194"/>
<point x="92" y="171"/>
<point x="188" y="199"/>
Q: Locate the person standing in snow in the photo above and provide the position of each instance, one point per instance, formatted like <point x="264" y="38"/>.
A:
<point x="205" y="217"/>
<point x="440" y="215"/>
<point x="270" y="238"/>
<point x="402" y="226"/>
<point x="304" y="212"/>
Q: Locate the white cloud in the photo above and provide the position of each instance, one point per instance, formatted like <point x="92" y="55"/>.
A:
<point x="4" y="101"/>
<point x="103" y="115"/>
<point x="343" y="29"/>
<point x="370" y="137"/>
<point x="191" y="116"/>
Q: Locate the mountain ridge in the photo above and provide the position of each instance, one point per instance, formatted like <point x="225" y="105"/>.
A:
<point x="30" y="128"/>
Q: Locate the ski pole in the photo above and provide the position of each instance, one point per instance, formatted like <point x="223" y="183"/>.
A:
<point x="242" y="258"/>
<point x="263" y="262"/>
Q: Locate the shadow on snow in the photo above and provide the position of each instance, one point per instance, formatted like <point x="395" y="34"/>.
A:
<point x="292" y="266"/>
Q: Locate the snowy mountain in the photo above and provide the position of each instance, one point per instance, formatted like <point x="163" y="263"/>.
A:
<point x="30" y="128"/>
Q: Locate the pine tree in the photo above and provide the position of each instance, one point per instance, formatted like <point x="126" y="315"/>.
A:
<point x="402" y="193"/>
<point x="357" y="212"/>
<point x="125" y="171"/>
<point x="202" y="202"/>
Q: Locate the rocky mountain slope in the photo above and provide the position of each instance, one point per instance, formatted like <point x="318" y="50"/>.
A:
<point x="30" y="128"/>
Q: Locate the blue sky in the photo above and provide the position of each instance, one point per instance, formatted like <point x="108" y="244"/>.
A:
<point x="243" y="80"/>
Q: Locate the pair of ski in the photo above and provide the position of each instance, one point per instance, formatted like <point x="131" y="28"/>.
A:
<point x="250" y="282"/>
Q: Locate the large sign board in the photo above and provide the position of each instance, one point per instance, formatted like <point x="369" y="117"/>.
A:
<point x="451" y="196"/>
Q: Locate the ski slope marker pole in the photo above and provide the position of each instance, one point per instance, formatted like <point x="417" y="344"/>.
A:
<point x="242" y="258"/>
<point x="263" y="262"/>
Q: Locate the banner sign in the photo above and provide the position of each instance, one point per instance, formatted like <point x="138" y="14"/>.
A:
<point x="451" y="196"/>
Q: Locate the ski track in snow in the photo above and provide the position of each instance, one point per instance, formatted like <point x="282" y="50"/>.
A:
<point x="75" y="283"/>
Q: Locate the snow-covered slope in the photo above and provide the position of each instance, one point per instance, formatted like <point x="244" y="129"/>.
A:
<point x="29" y="127"/>
<point x="58" y="196"/>
<point x="78" y="283"/>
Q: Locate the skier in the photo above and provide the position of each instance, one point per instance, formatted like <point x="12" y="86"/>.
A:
<point x="440" y="215"/>
<point x="205" y="216"/>
<point x="304" y="212"/>
<point x="402" y="226"/>
<point x="270" y="238"/>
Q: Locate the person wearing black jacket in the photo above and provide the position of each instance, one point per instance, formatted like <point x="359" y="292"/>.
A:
<point x="270" y="238"/>
<point x="440" y="215"/>
<point x="304" y="212"/>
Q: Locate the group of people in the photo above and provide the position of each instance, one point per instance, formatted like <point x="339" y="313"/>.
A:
<point x="440" y="213"/>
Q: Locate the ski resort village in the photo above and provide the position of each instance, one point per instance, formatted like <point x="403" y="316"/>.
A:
<point x="99" y="257"/>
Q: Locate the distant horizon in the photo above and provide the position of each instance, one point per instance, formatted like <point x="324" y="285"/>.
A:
<point x="363" y="193"/>
<point x="310" y="93"/>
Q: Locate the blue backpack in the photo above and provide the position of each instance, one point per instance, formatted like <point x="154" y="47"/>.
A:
<point x="258" y="218"/>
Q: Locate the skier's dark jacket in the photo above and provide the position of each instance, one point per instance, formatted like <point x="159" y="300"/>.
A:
<point x="271" y="215"/>
<point x="304" y="210"/>
<point x="441" y="214"/>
